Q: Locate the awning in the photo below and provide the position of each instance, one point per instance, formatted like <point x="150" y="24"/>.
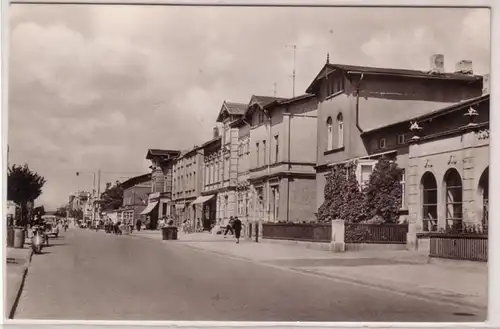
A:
<point x="202" y="199"/>
<point x="149" y="208"/>
<point x="179" y="206"/>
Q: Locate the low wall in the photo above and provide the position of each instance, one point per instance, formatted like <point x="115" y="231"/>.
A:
<point x="325" y="246"/>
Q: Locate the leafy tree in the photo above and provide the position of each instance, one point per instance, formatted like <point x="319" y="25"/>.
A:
<point x="336" y="184"/>
<point x="112" y="198"/>
<point x="23" y="186"/>
<point x="352" y="209"/>
<point x="383" y="193"/>
<point x="61" y="212"/>
<point x="76" y="213"/>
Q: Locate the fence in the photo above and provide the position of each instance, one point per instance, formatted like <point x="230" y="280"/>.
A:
<point x="314" y="232"/>
<point x="376" y="233"/>
<point x="472" y="247"/>
<point x="322" y="232"/>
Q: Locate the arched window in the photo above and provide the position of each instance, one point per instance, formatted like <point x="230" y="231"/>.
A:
<point x="428" y="186"/>
<point x="329" y="125"/>
<point x="453" y="188"/>
<point x="340" y="127"/>
<point x="484" y="189"/>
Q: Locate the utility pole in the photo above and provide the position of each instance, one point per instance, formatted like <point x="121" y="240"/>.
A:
<point x="294" y="47"/>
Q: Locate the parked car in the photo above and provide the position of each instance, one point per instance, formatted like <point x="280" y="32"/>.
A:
<point x="51" y="226"/>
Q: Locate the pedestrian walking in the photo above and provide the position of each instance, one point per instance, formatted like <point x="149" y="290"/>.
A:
<point x="138" y="224"/>
<point x="237" y="229"/>
<point x="229" y="226"/>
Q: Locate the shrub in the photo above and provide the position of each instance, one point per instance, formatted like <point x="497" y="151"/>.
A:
<point x="336" y="184"/>
<point x="352" y="209"/>
<point x="383" y="193"/>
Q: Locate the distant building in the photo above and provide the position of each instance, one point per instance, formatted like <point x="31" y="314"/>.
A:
<point x="211" y="150"/>
<point x="160" y="200"/>
<point x="135" y="198"/>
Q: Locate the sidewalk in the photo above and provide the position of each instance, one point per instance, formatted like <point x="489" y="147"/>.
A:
<point x="401" y="271"/>
<point x="17" y="266"/>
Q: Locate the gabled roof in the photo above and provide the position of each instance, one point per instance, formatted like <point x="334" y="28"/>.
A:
<point x="288" y="101"/>
<point x="261" y="102"/>
<point x="157" y="153"/>
<point x="437" y="113"/>
<point x="136" y="180"/>
<point x="329" y="68"/>
<point x="231" y="108"/>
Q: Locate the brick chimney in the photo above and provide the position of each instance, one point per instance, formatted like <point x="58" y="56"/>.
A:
<point x="464" y="66"/>
<point x="486" y="84"/>
<point x="437" y="63"/>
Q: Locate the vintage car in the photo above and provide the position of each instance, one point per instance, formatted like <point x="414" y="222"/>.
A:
<point x="51" y="225"/>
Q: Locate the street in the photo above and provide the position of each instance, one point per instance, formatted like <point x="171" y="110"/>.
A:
<point x="89" y="275"/>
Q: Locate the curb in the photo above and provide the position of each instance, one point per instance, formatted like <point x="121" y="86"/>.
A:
<point x="21" y="286"/>
<point x="386" y="287"/>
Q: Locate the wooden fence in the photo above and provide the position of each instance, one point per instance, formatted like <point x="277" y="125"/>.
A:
<point x="472" y="247"/>
<point x="315" y="232"/>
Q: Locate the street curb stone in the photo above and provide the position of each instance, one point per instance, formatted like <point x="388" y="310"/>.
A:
<point x="20" y="285"/>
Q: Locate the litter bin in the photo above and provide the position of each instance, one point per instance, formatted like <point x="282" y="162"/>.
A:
<point x="169" y="233"/>
<point x="10" y="237"/>
<point x="19" y="238"/>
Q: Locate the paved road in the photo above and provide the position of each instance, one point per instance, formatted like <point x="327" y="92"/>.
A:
<point x="93" y="276"/>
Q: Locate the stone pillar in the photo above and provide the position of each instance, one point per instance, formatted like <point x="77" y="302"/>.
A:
<point x="413" y="178"/>
<point x="338" y="236"/>
<point x="469" y="179"/>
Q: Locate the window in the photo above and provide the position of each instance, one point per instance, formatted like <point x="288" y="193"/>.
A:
<point x="382" y="143"/>
<point x="329" y="125"/>
<point x="275" y="203"/>
<point x="264" y="151"/>
<point x="260" y="201"/>
<point x="247" y="203"/>
<point x="403" y="188"/>
<point x="429" y="202"/>
<point x="257" y="153"/>
<point x="226" y="169"/>
<point x="276" y="151"/>
<point x="453" y="200"/>
<point x="401" y="139"/>
<point x="340" y="125"/>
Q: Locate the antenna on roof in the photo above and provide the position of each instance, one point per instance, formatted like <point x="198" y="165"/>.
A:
<point x="293" y="72"/>
<point x="328" y="58"/>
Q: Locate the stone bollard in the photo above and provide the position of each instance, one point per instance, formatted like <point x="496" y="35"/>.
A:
<point x="411" y="237"/>
<point x="338" y="236"/>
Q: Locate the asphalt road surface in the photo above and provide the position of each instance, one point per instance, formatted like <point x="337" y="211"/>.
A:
<point x="89" y="275"/>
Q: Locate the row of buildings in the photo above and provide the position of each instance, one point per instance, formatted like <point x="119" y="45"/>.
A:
<point x="269" y="156"/>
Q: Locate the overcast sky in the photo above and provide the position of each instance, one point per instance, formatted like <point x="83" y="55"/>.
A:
<point x="96" y="86"/>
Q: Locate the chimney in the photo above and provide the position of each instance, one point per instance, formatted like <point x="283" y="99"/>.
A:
<point x="486" y="84"/>
<point x="216" y="132"/>
<point x="437" y="63"/>
<point x="464" y="67"/>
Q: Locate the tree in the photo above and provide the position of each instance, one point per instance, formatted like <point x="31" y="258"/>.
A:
<point x="23" y="186"/>
<point x="61" y="212"/>
<point x="352" y="209"/>
<point x="76" y="213"/>
<point x="40" y="210"/>
<point x="112" y="198"/>
<point x="336" y="183"/>
<point x="383" y="193"/>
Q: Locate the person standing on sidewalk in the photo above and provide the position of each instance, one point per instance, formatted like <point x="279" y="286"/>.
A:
<point x="237" y="229"/>
<point x="229" y="226"/>
<point x="138" y="224"/>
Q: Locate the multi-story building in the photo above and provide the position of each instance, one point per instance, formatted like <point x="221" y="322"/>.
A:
<point x="135" y="198"/>
<point x="447" y="154"/>
<point x="187" y="186"/>
<point x="224" y="166"/>
<point x="355" y="100"/>
<point x="160" y="199"/>
<point x="211" y="183"/>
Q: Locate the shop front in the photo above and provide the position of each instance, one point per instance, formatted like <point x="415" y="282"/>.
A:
<point x="205" y="217"/>
<point x="151" y="211"/>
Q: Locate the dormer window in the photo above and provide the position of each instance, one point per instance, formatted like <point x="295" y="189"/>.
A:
<point x="382" y="143"/>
